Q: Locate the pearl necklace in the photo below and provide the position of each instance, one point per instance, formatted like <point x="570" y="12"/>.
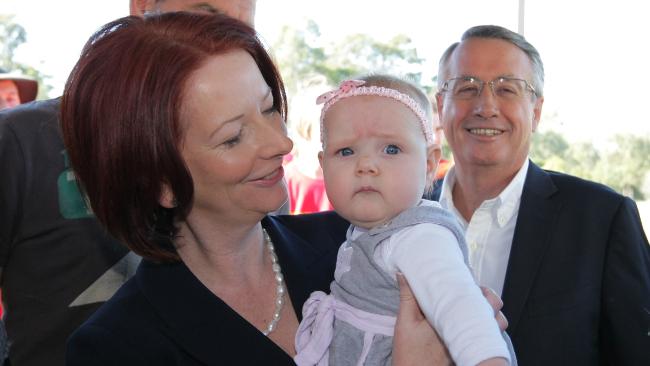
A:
<point x="279" y="289"/>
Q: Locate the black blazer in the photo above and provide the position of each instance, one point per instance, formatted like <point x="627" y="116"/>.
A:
<point x="577" y="286"/>
<point x="165" y="316"/>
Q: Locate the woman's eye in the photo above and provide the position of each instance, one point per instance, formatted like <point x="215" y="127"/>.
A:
<point x="346" y="151"/>
<point x="232" y="141"/>
<point x="392" y="150"/>
<point x="271" y="110"/>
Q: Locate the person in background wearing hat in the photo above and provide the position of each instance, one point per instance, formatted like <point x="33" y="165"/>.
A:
<point x="16" y="89"/>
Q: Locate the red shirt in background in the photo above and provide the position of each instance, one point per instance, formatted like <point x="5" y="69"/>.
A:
<point x="443" y="167"/>
<point x="306" y="194"/>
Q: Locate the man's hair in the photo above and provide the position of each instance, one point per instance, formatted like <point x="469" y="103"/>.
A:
<point x="497" y="32"/>
<point x="120" y="118"/>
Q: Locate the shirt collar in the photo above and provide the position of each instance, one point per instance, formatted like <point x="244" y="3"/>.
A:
<point x="505" y="205"/>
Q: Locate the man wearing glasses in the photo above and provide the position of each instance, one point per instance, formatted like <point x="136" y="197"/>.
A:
<point x="568" y="257"/>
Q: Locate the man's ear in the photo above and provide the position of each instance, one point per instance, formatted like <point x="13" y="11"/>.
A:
<point x="320" y="159"/>
<point x="537" y="113"/>
<point x="139" y="7"/>
<point x="434" y="153"/>
<point x="167" y="199"/>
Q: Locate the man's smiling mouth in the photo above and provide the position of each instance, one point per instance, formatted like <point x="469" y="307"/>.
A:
<point x="485" y="131"/>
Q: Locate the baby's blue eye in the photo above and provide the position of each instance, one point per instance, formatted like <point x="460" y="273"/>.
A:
<point x="346" y="151"/>
<point x="392" y="150"/>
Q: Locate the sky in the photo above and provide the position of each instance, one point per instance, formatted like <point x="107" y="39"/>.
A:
<point x="594" y="51"/>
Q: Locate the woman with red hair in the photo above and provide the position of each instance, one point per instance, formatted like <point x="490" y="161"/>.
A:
<point x="175" y="129"/>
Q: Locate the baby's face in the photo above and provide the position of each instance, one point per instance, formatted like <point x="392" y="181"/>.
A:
<point x="374" y="160"/>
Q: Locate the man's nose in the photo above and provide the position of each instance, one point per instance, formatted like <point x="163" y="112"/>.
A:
<point x="486" y="104"/>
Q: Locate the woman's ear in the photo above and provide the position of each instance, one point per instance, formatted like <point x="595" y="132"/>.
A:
<point x="167" y="199"/>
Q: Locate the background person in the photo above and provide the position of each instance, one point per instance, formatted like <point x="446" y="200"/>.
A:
<point x="220" y="280"/>
<point x="303" y="173"/>
<point x="569" y="257"/>
<point x="16" y="89"/>
<point x="57" y="264"/>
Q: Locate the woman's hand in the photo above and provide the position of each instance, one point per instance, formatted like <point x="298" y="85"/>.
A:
<point x="415" y="341"/>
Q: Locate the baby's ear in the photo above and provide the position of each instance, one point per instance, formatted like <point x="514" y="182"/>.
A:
<point x="434" y="152"/>
<point x="166" y="199"/>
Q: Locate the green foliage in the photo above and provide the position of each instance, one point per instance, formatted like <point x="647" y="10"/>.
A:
<point x="627" y="166"/>
<point x="13" y="35"/>
<point x="547" y="145"/>
<point x="301" y="57"/>
<point x="624" y="166"/>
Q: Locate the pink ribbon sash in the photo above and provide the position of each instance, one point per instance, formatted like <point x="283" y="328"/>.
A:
<point x="317" y="328"/>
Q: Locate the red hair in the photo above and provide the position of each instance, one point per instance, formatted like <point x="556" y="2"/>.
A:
<point x="120" y="118"/>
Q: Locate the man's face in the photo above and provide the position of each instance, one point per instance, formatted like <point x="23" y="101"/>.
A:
<point x="243" y="10"/>
<point x="487" y="130"/>
<point x="9" y="96"/>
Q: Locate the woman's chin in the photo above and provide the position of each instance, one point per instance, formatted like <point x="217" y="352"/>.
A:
<point x="279" y="206"/>
<point x="272" y="203"/>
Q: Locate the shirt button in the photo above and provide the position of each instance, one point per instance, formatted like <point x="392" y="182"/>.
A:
<point x="473" y="246"/>
<point x="502" y="220"/>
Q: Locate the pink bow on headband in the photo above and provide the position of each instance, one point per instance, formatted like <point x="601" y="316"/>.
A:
<point x="343" y="88"/>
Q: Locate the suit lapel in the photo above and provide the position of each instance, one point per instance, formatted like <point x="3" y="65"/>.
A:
<point x="536" y="221"/>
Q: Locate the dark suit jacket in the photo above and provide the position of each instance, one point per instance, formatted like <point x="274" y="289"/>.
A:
<point x="165" y="316"/>
<point x="577" y="286"/>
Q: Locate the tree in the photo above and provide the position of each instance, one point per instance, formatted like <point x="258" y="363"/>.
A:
<point x="301" y="56"/>
<point x="13" y="35"/>
<point x="548" y="145"/>
<point x="623" y="167"/>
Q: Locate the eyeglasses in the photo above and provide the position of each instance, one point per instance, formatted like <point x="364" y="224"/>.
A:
<point x="469" y="87"/>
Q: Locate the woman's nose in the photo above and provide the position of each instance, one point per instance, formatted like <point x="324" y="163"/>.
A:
<point x="274" y="140"/>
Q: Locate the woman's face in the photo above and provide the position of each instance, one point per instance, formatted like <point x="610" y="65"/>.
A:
<point x="234" y="139"/>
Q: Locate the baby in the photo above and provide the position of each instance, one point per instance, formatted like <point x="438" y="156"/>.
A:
<point x="380" y="154"/>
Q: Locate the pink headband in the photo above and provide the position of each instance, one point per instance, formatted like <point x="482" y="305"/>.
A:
<point x="351" y="88"/>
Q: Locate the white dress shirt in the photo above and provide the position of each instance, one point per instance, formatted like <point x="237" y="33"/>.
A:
<point x="490" y="230"/>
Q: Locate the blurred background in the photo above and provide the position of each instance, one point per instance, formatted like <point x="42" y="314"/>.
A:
<point x="594" y="53"/>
